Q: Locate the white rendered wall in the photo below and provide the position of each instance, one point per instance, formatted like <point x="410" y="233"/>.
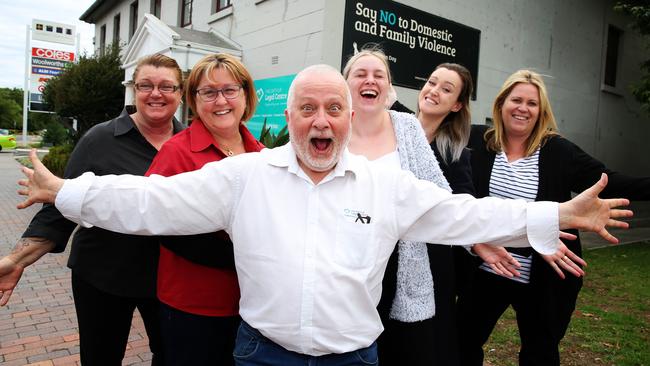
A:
<point x="289" y="30"/>
<point x="561" y="39"/>
<point x="565" y="41"/>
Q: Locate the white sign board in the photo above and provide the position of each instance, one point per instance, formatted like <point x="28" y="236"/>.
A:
<point x="45" y="64"/>
<point x="47" y="31"/>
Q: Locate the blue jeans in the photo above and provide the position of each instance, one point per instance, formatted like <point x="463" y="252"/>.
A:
<point x="253" y="349"/>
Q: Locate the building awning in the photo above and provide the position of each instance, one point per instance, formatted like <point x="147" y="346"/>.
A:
<point x="186" y="46"/>
<point x="96" y="11"/>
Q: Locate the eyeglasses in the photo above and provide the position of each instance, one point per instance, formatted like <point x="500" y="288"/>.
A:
<point x="210" y="94"/>
<point x="163" y="88"/>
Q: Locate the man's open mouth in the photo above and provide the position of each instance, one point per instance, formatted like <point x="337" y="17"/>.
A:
<point x="320" y="144"/>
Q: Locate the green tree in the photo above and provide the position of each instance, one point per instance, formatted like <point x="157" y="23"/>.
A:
<point x="89" y="91"/>
<point x="38" y="121"/>
<point x="639" y="10"/>
<point x="56" y="134"/>
<point x="11" y="110"/>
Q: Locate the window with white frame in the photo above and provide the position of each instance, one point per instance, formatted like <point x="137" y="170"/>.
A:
<point x="156" y="8"/>
<point x="222" y="4"/>
<point x="186" y="12"/>
<point x="612" y="56"/>
<point x="133" y="24"/>
<point x="102" y="39"/>
<point x="116" y="28"/>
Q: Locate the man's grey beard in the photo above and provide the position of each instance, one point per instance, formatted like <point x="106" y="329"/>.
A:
<point x="301" y="147"/>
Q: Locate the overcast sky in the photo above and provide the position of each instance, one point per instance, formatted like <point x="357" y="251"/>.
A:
<point x="15" y="14"/>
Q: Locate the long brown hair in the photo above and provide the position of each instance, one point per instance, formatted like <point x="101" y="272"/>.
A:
<point x="452" y="135"/>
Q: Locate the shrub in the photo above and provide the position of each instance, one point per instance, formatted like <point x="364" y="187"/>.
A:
<point x="55" y="134"/>
<point x="57" y="159"/>
<point x="89" y="91"/>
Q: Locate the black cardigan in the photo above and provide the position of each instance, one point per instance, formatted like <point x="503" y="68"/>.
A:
<point x="563" y="168"/>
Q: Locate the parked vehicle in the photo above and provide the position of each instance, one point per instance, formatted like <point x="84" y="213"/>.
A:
<point x="7" y="140"/>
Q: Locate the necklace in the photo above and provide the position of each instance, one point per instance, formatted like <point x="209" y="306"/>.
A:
<point x="227" y="150"/>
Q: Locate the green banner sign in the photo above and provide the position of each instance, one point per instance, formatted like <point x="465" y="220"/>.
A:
<point x="272" y="97"/>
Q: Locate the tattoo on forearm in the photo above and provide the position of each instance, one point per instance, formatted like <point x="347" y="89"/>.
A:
<point x="23" y="243"/>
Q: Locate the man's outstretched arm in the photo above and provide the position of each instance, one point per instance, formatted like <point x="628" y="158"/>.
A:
<point x="185" y="204"/>
<point x="585" y="212"/>
<point x="438" y="217"/>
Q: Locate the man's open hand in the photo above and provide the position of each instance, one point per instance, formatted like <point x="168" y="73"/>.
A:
<point x="589" y="213"/>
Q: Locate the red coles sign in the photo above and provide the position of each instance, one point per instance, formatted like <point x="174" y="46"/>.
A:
<point x="53" y="54"/>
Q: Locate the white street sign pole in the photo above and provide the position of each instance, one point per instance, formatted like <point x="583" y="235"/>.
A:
<point x="26" y="86"/>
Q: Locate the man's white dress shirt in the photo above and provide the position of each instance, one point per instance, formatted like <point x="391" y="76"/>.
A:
<point x="310" y="258"/>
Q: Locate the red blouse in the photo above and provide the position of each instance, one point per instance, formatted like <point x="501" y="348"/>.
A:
<point x="182" y="284"/>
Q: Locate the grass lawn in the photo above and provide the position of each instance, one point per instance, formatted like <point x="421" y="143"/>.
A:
<point x="611" y="324"/>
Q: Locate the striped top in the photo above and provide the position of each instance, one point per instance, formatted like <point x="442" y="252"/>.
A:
<point x="515" y="180"/>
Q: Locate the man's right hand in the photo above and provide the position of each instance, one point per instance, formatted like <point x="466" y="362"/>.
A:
<point x="589" y="213"/>
<point x="41" y="185"/>
<point x="26" y="252"/>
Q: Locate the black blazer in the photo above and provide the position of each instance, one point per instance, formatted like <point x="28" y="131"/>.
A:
<point x="457" y="173"/>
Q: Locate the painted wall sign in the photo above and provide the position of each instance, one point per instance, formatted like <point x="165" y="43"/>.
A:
<point x="414" y="41"/>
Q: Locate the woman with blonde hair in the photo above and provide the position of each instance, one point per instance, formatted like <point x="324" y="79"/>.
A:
<point x="524" y="157"/>
<point x="197" y="282"/>
<point x="395" y="139"/>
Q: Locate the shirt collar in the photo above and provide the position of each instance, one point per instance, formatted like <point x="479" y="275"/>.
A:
<point x="285" y="156"/>
<point x="201" y="138"/>
<point x="124" y="123"/>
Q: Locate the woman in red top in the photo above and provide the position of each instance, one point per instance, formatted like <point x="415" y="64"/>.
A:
<point x="197" y="282"/>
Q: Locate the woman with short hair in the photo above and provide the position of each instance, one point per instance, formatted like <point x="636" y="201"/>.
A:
<point x="112" y="273"/>
<point x="197" y="282"/>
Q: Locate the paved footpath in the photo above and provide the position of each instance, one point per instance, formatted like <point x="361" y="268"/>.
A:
<point x="39" y="326"/>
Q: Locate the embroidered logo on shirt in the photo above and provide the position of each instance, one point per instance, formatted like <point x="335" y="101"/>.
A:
<point x="356" y="216"/>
